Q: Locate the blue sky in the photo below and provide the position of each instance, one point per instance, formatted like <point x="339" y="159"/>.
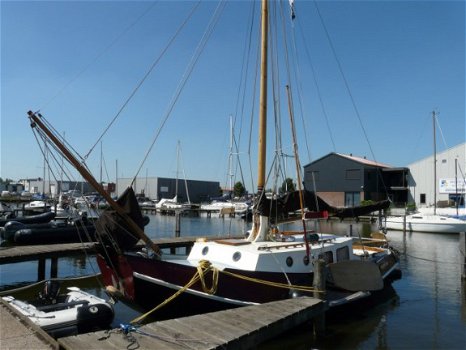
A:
<point x="78" y="61"/>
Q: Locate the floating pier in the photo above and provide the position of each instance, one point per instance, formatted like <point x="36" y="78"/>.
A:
<point x="40" y="253"/>
<point x="240" y="328"/>
<point x="18" y="332"/>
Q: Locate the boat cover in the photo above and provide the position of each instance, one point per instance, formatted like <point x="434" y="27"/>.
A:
<point x="289" y="203"/>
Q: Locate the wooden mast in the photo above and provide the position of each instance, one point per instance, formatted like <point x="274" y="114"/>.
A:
<point x="260" y="222"/>
<point x="35" y="121"/>
<point x="263" y="99"/>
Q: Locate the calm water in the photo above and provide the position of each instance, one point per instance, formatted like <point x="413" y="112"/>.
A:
<point x="426" y="311"/>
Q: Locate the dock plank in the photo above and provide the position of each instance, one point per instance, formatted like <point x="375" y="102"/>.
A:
<point x="240" y="328"/>
<point x="203" y="337"/>
<point x="204" y="331"/>
<point x="18" y="332"/>
<point x="30" y="252"/>
<point x="22" y="253"/>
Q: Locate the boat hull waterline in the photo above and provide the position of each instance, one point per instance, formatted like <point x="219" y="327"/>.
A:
<point x="426" y="223"/>
<point x="149" y="282"/>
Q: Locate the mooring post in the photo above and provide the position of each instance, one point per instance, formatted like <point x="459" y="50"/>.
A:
<point x="41" y="270"/>
<point x="177" y="219"/>
<point x="54" y="268"/>
<point x="463" y="254"/>
<point x="319" y="293"/>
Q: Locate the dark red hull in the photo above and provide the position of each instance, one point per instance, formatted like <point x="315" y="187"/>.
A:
<point x="148" y="282"/>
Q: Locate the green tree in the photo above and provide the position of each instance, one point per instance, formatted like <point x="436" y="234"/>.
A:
<point x="238" y="189"/>
<point x="287" y="186"/>
<point x="7" y="181"/>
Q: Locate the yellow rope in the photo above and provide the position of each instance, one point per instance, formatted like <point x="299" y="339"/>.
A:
<point x="273" y="284"/>
<point x="205" y="267"/>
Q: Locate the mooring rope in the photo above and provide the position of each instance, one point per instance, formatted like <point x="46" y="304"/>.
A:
<point x="205" y="267"/>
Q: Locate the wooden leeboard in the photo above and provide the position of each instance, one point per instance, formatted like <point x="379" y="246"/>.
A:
<point x="356" y="275"/>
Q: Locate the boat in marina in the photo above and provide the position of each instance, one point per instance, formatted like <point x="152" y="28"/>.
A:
<point x="67" y="314"/>
<point x="423" y="222"/>
<point x="238" y="207"/>
<point x="37" y="206"/>
<point x="426" y="223"/>
<point x="28" y="219"/>
<point x="266" y="265"/>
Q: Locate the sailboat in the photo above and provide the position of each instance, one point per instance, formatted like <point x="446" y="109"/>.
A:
<point x="172" y="203"/>
<point x="424" y="222"/>
<point x="266" y="265"/>
<point x="226" y="202"/>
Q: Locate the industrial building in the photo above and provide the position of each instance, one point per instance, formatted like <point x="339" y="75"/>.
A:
<point x="444" y="188"/>
<point x="52" y="187"/>
<point x="194" y="191"/>
<point x="345" y="180"/>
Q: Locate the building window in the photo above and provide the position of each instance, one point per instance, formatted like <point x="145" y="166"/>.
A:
<point x="423" y="198"/>
<point x="352" y="199"/>
<point x="444" y="161"/>
<point x="353" y="174"/>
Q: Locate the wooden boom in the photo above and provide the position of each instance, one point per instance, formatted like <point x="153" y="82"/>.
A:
<point x="35" y="121"/>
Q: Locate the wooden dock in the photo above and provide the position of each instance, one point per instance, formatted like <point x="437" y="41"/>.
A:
<point x="18" y="332"/>
<point x="240" y="328"/>
<point x="41" y="253"/>
<point x="32" y="252"/>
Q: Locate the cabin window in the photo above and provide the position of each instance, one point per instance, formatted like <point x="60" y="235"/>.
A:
<point x="423" y="198"/>
<point x="205" y="250"/>
<point x="342" y="254"/>
<point x="289" y="261"/>
<point x="236" y="256"/>
<point x="327" y="257"/>
<point x="306" y="260"/>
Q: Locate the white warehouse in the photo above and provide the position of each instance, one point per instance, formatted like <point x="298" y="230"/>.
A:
<point x="449" y="181"/>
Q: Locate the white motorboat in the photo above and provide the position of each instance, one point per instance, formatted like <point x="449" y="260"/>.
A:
<point x="37" y="206"/>
<point x="61" y="315"/>
<point x="426" y="223"/>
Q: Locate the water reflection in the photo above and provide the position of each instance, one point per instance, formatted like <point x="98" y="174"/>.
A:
<point x="426" y="308"/>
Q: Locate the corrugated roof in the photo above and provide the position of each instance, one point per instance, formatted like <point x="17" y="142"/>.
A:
<point x="364" y="160"/>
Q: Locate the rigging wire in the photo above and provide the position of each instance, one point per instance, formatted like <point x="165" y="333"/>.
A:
<point x="275" y="91"/>
<point x="185" y="77"/>
<point x="299" y="86"/>
<point x="345" y="81"/>
<point x="241" y="98"/>
<point x="316" y="84"/>
<point x="251" y="116"/>
<point x="353" y="101"/>
<point x="101" y="53"/>
<point x="149" y="71"/>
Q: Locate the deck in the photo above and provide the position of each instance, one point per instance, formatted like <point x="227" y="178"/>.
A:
<point x="240" y="328"/>
<point x="18" y="332"/>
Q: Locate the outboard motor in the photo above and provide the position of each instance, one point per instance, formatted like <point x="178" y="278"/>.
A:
<point x="50" y="292"/>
